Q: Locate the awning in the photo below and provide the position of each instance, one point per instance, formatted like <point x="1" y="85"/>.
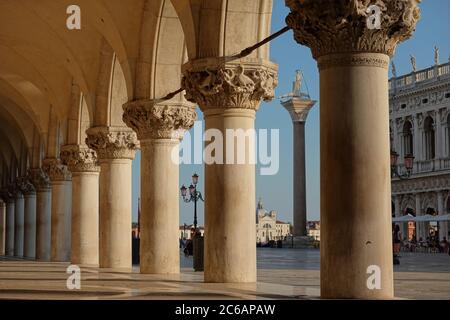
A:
<point x="405" y="218"/>
<point x="424" y="218"/>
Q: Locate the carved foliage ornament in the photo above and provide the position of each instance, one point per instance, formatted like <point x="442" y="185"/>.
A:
<point x="79" y="158"/>
<point x="230" y="86"/>
<point x="337" y="26"/>
<point x="155" y="121"/>
<point x="25" y="186"/>
<point x="40" y="179"/>
<point x="112" y="143"/>
<point x="56" y="170"/>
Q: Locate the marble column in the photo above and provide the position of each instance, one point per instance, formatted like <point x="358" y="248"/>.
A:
<point x="19" y="217"/>
<point x="82" y="162"/>
<point x="441" y="211"/>
<point x="159" y="129"/>
<point x="29" y="192"/>
<point x="419" y="225"/>
<point x="2" y="227"/>
<point x="43" y="214"/>
<point x="9" y="239"/>
<point x="299" y="108"/>
<point x="61" y="181"/>
<point x="115" y="147"/>
<point x="353" y="60"/>
<point x="229" y="94"/>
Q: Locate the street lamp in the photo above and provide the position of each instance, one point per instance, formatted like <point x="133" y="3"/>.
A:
<point x="409" y="161"/>
<point x="193" y="196"/>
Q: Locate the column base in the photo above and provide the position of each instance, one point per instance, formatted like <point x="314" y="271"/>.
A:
<point x="299" y="242"/>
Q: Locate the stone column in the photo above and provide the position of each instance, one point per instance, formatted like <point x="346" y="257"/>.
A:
<point x="419" y="225"/>
<point x="43" y="214"/>
<point x="29" y="192"/>
<point x="2" y="227"/>
<point x="115" y="147"/>
<point x="299" y="108"/>
<point x="397" y="214"/>
<point x="9" y="241"/>
<point x="159" y="128"/>
<point x="82" y="162"/>
<point x="61" y="181"/>
<point x="229" y="94"/>
<point x="353" y="60"/>
<point x="441" y="211"/>
<point x="19" y="217"/>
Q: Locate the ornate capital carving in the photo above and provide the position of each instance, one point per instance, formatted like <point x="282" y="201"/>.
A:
<point x="40" y="179"/>
<point x="214" y="83"/>
<point x="337" y="26"/>
<point x="159" y="121"/>
<point x="298" y="108"/>
<point x="79" y="158"/>
<point x="25" y="185"/>
<point x="112" y="142"/>
<point x="56" y="170"/>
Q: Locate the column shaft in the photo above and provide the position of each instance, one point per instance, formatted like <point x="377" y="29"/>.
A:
<point x="2" y="228"/>
<point x="18" y="225"/>
<point x="43" y="224"/>
<point x="299" y="179"/>
<point x="230" y="224"/>
<point x="85" y="218"/>
<point x="115" y="213"/>
<point x="30" y="226"/>
<point x="61" y="220"/>
<point x="159" y="249"/>
<point x="10" y="227"/>
<point x="355" y="181"/>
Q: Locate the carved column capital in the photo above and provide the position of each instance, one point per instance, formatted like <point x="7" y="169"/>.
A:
<point x="215" y="83"/>
<point x="298" y="108"/>
<point x="56" y="170"/>
<point x="112" y="142"/>
<point x="165" y="120"/>
<point x="79" y="158"/>
<point x="26" y="186"/>
<point x="40" y="179"/>
<point x="340" y="26"/>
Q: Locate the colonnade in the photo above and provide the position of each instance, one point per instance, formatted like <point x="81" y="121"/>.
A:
<point x="90" y="183"/>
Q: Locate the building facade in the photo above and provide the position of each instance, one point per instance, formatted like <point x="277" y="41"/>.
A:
<point x="313" y="230"/>
<point x="419" y="107"/>
<point x="268" y="228"/>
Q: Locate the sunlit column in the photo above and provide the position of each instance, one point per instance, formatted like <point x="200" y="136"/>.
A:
<point x="159" y="129"/>
<point x="353" y="59"/>
<point x="82" y="163"/>
<point x="115" y="147"/>
<point x="229" y="94"/>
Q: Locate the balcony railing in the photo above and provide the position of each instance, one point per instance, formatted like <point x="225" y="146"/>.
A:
<point x="414" y="78"/>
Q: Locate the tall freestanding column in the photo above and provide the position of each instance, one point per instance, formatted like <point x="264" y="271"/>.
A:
<point x="61" y="180"/>
<point x="159" y="129"/>
<point x="229" y="94"/>
<point x="29" y="192"/>
<point x="82" y="162"/>
<point x="115" y="147"/>
<point x="298" y="106"/>
<point x="2" y="227"/>
<point x="43" y="214"/>
<point x="353" y="58"/>
<point x="9" y="238"/>
<point x="19" y="206"/>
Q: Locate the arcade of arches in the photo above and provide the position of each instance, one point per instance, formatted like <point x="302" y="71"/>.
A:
<point x="75" y="105"/>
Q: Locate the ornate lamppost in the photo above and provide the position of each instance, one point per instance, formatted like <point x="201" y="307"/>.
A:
<point x="409" y="161"/>
<point x="193" y="196"/>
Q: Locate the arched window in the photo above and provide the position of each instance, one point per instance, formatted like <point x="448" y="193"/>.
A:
<point x="429" y="138"/>
<point x="408" y="138"/>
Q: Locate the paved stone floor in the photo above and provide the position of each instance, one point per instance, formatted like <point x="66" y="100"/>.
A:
<point x="282" y="274"/>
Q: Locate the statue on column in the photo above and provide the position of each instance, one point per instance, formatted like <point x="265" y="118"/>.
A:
<point x="413" y="63"/>
<point x="297" y="85"/>
<point x="394" y="70"/>
<point x="436" y="55"/>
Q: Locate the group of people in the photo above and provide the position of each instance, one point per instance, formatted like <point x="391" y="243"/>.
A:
<point x="432" y="242"/>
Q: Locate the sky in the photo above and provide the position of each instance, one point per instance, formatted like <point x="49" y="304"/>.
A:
<point x="276" y="191"/>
